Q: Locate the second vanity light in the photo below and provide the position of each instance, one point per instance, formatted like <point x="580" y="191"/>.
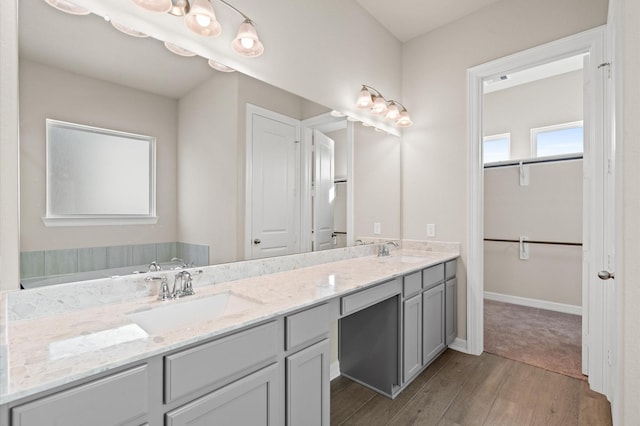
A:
<point x="371" y="99"/>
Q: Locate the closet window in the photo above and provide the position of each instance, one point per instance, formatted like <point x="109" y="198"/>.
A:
<point x="496" y="148"/>
<point x="560" y="139"/>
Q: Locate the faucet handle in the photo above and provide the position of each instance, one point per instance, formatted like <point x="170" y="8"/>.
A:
<point x="163" y="294"/>
<point x="187" y="284"/>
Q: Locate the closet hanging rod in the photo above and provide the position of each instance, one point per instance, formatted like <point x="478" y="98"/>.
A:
<point x="554" y="243"/>
<point x="510" y="163"/>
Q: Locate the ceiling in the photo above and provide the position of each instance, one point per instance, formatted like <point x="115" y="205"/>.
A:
<point x="407" y="19"/>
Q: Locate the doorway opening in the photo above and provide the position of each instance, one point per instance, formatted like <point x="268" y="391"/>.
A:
<point x="532" y="153"/>
<point x="597" y="303"/>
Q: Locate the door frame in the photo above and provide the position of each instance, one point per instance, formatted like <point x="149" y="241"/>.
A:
<point x="252" y="110"/>
<point x="324" y="123"/>
<point x="592" y="42"/>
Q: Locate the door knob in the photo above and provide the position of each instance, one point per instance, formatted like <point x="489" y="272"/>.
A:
<point x="605" y="275"/>
<point x="257" y="241"/>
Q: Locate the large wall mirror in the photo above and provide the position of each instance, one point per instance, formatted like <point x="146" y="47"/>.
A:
<point x="79" y="69"/>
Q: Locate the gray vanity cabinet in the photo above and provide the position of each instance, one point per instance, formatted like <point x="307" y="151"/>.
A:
<point x="412" y="337"/>
<point x="307" y="367"/>
<point x="451" y="300"/>
<point x="308" y="386"/>
<point x="252" y="400"/>
<point x="433" y="316"/>
<point x="451" y="291"/>
<point x="118" y="399"/>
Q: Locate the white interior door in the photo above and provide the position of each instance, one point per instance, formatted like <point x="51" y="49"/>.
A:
<point x="274" y="207"/>
<point x="324" y="191"/>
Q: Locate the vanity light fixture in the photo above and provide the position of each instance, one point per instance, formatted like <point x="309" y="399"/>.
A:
<point x="371" y="99"/>
<point x="200" y="18"/>
<point x="68" y="7"/>
<point x="247" y="42"/>
<point x="179" y="7"/>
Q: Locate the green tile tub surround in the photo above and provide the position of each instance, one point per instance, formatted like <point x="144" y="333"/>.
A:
<point x="31" y="264"/>
<point x="92" y="259"/>
<point x="58" y="262"/>
<point x="144" y="254"/>
<point x="47" y="263"/>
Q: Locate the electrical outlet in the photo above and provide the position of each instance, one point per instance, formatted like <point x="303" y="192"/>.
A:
<point x="377" y="228"/>
<point x="431" y="230"/>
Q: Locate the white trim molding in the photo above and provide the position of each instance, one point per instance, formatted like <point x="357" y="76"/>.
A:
<point x="459" y="345"/>
<point x="534" y="303"/>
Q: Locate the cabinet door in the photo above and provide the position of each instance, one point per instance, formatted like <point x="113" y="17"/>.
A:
<point x="253" y="400"/>
<point x="412" y="337"/>
<point x="451" y="298"/>
<point x="118" y="399"/>
<point x="433" y="340"/>
<point x="308" y="386"/>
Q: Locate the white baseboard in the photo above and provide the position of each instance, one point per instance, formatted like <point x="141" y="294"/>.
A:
<point x="459" y="345"/>
<point x="534" y="303"/>
<point x="334" y="370"/>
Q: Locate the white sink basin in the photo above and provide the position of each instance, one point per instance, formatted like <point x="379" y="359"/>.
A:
<point x="405" y="259"/>
<point x="185" y="313"/>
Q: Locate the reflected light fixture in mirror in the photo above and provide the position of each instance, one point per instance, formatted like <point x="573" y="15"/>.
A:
<point x="68" y="7"/>
<point x="158" y="6"/>
<point x="178" y="50"/>
<point x="220" y="67"/>
<point x="128" y="30"/>
<point x="371" y="99"/>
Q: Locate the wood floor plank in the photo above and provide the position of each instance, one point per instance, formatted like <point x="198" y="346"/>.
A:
<point x="428" y="406"/>
<point x="351" y="398"/>
<point x="523" y="385"/>
<point x="558" y="401"/>
<point x="472" y="405"/>
<point x="508" y="413"/>
<point x="339" y="384"/>
<point x="594" y="409"/>
<point x="465" y="390"/>
<point x="380" y="410"/>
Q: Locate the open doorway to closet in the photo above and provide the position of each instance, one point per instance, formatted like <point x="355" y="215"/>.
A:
<point x="533" y="143"/>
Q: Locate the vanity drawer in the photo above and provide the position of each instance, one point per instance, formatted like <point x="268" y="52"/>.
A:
<point x="432" y="276"/>
<point x="222" y="361"/>
<point x="307" y="326"/>
<point x="412" y="284"/>
<point x="450" y="269"/>
<point x="117" y="399"/>
<point x="362" y="299"/>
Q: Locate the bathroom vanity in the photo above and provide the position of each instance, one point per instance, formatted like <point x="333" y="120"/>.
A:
<point x="252" y="351"/>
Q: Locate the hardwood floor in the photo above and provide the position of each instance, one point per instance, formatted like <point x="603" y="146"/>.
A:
<point x="459" y="389"/>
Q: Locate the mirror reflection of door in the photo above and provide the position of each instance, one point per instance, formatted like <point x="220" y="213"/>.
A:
<point x="275" y="185"/>
<point x="323" y="191"/>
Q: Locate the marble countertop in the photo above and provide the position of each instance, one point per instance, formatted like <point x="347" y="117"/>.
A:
<point x="43" y="352"/>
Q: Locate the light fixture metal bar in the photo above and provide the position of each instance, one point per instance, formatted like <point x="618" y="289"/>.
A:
<point x="229" y="5"/>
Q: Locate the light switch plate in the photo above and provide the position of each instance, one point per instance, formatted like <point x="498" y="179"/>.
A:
<point x="431" y="230"/>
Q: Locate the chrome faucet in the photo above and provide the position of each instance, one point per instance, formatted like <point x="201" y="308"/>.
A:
<point x="383" y="249"/>
<point x="156" y="267"/>
<point x="186" y="285"/>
